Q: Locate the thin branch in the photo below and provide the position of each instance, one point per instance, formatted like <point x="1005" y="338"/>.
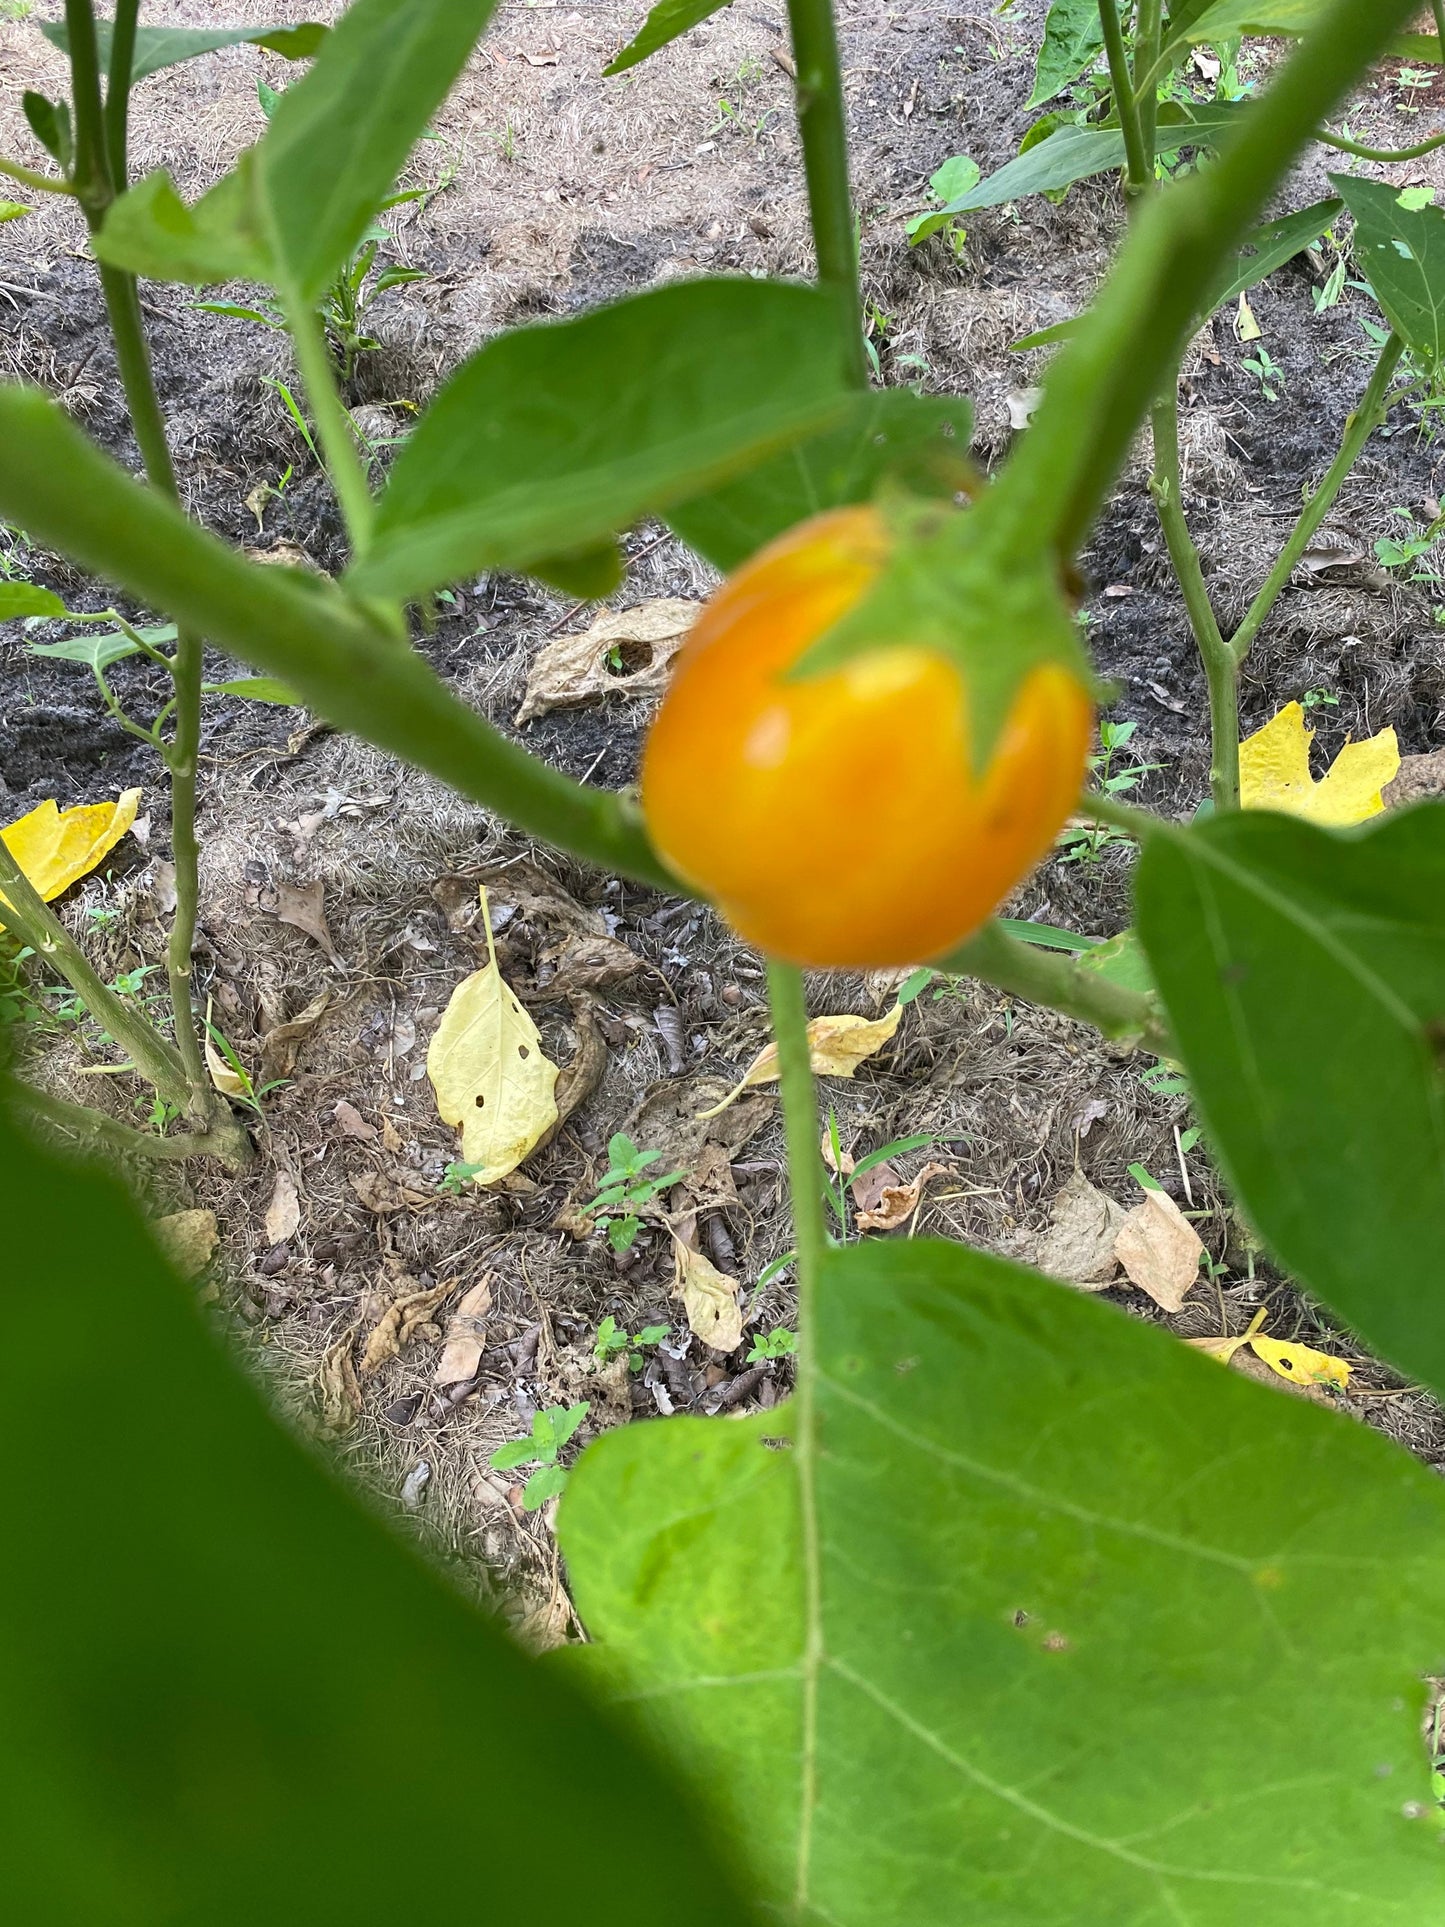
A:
<point x="92" y="167"/>
<point x="102" y="1128"/>
<point x="1140" y="167"/>
<point x="117" y="91"/>
<point x="823" y="130"/>
<point x="1374" y="406"/>
<point x="37" y="183"/>
<point x="333" y="424"/>
<point x="1061" y="983"/>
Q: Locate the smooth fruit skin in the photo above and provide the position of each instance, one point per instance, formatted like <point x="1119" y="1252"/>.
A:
<point x="835" y="820"/>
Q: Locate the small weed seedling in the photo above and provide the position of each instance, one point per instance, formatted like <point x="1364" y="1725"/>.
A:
<point x="455" y="1177"/>
<point x="953" y="180"/>
<point x="844" y="1181"/>
<point x="1087" y="842"/>
<point x="247" y="1092"/>
<point x="778" y="1343"/>
<point x="625" y="1192"/>
<point x="613" y="1339"/>
<point x="551" y="1430"/>
<point x="1265" y="372"/>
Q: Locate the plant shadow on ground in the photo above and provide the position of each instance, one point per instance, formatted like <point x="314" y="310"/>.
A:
<point x="608" y="188"/>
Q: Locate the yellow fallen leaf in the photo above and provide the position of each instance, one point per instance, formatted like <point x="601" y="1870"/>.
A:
<point x="1299" y="1364"/>
<point x="709" y="1297"/>
<point x="489" y="1072"/>
<point x="1246" y="328"/>
<point x="226" y="1078"/>
<point x="1274" y="773"/>
<point x="836" y="1047"/>
<point x="1224" y="1348"/>
<point x="188" y="1238"/>
<point x="56" y="847"/>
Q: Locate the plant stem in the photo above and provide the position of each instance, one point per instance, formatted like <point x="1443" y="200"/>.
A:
<point x="26" y="913"/>
<point x="1387" y="155"/>
<point x="112" y="1131"/>
<point x="333" y="424"/>
<point x="810" y="1240"/>
<point x="117" y="90"/>
<point x="27" y="177"/>
<point x="1374" y="406"/>
<point x="1061" y="983"/>
<point x="1220" y="666"/>
<point x="823" y="130"/>
<point x="92" y="168"/>
<point x="1140" y="172"/>
<point x="1437" y="7"/>
<point x="1145" y="86"/>
<point x="183" y="762"/>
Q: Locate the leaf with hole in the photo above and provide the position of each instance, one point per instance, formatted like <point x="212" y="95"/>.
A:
<point x="1072" y="1585"/>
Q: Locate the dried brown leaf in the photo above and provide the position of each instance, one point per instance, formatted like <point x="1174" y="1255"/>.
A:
<point x="353" y="1124"/>
<point x="1159" y="1250"/>
<point x="283" y="1213"/>
<point x="281" y="1043"/>
<point x="709" y="1298"/>
<point x="898" y="1201"/>
<point x="399" y="1324"/>
<point x="301" y="905"/>
<point x="625" y="652"/>
<point x="188" y="1239"/>
<point x="466" y="1336"/>
<point x="1084" y="1226"/>
<point x="340" y="1394"/>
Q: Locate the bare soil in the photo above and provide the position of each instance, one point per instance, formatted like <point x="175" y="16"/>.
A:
<point x="556" y="190"/>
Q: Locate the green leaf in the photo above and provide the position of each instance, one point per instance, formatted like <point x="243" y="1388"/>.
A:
<point x="1302" y="973"/>
<point x="890" y="434"/>
<point x="514" y="463"/>
<point x="589" y="574"/>
<point x="1228" y="18"/>
<point x="157" y="47"/>
<point x="157" y="1763"/>
<point x="1073" y="41"/>
<point x="1402" y="251"/>
<point x="667" y="20"/>
<point x="519" y="1452"/>
<point x="257" y="689"/>
<point x="300" y="200"/>
<point x="1120" y="960"/>
<point x="12" y="210"/>
<point x="545" y="1483"/>
<point x="49" y="122"/>
<point x="19" y="599"/>
<point x="1047" y="936"/>
<point x="1073" y="153"/>
<point x="1073" y="1585"/>
<point x="100" y="651"/>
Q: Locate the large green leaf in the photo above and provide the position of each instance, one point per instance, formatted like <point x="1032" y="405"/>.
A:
<point x="1103" y="1633"/>
<point x="301" y="199"/>
<point x="18" y="599"/>
<point x="1304" y="976"/>
<point x="1073" y="40"/>
<point x="1227" y="18"/>
<point x="1402" y="249"/>
<point x="667" y="20"/>
<point x="227" y="1693"/>
<point x="157" y="47"/>
<point x="557" y="434"/>
<point x="894" y="434"/>
<point x="1074" y="153"/>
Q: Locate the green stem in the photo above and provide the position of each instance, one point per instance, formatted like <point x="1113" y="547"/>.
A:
<point x="1061" y="983"/>
<point x="98" y="1126"/>
<point x="1145" y="87"/>
<point x="810" y="1239"/>
<point x="1137" y="823"/>
<point x="1220" y="666"/>
<point x="61" y="488"/>
<point x="92" y="168"/>
<point x="117" y="90"/>
<point x="1140" y="173"/>
<point x="1374" y="406"/>
<point x="26" y="913"/>
<point x="27" y="177"/>
<point x="333" y="424"/>
<point x="1105" y="380"/>
<point x="1387" y="155"/>
<point x="1437" y="7"/>
<point x="823" y="130"/>
<point x="183" y="762"/>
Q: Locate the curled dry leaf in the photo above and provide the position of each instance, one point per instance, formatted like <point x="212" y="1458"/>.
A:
<point x="301" y="905"/>
<point x="188" y="1239"/>
<point x="352" y="1123"/>
<point x="625" y="652"/>
<point x="1159" y="1250"/>
<point x="383" y="1194"/>
<point x="55" y="848"/>
<point x="466" y="1336"/>
<point x="400" y="1322"/>
<point x="281" y="1043"/>
<point x="1274" y="773"/>
<point x="709" y="1298"/>
<point x="837" y="1046"/>
<point x="338" y="1390"/>
<point x="514" y="890"/>
<point x="283" y="1213"/>
<point x="226" y="1078"/>
<point x="490" y="1074"/>
<point x="897" y="1202"/>
<point x="1078" y="1246"/>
